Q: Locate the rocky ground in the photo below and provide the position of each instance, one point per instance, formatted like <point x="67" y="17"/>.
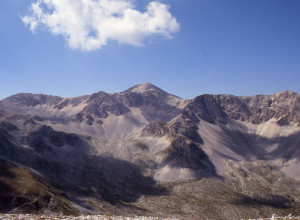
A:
<point x="104" y="217"/>
<point x="82" y="217"/>
<point x="144" y="152"/>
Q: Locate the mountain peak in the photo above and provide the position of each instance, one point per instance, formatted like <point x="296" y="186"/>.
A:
<point x="29" y="99"/>
<point x="286" y="93"/>
<point x="145" y="87"/>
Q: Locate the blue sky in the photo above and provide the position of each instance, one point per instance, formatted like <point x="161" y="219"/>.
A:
<point x="240" y="47"/>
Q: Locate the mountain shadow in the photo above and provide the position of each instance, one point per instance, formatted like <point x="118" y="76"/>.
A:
<point x="275" y="201"/>
<point x="5" y="189"/>
<point x="117" y="181"/>
<point x="68" y="162"/>
<point x="253" y="145"/>
<point x="183" y="153"/>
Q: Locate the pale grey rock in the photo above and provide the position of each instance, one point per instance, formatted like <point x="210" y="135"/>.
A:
<point x="28" y="99"/>
<point x="120" y="152"/>
<point x="284" y="106"/>
<point x="156" y="128"/>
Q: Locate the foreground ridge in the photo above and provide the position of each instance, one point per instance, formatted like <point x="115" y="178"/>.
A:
<point x="104" y="217"/>
<point x="274" y="216"/>
<point x="82" y="217"/>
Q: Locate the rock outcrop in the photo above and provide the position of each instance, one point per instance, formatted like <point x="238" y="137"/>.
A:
<point x="122" y="153"/>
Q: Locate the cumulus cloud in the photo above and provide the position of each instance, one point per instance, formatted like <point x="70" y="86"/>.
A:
<point x="90" y="24"/>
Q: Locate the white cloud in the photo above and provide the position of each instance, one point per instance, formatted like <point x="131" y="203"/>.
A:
<point x="89" y="24"/>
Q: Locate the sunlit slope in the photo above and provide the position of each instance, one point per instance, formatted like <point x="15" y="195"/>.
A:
<point x="117" y="153"/>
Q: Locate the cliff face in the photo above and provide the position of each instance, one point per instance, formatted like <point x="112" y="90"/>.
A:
<point x="103" y="151"/>
<point x="284" y="107"/>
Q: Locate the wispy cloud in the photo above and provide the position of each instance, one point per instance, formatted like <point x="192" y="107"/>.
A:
<point x="90" y="24"/>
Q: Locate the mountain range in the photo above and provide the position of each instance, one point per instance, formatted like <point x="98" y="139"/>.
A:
<point x="144" y="151"/>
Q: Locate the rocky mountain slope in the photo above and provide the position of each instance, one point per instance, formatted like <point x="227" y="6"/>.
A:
<point x="146" y="152"/>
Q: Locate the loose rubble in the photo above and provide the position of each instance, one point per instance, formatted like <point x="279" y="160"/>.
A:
<point x="82" y="217"/>
<point x="105" y="217"/>
<point x="276" y="217"/>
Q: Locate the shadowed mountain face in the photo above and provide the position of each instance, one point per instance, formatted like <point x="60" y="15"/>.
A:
<point x="115" y="153"/>
<point x="23" y="191"/>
